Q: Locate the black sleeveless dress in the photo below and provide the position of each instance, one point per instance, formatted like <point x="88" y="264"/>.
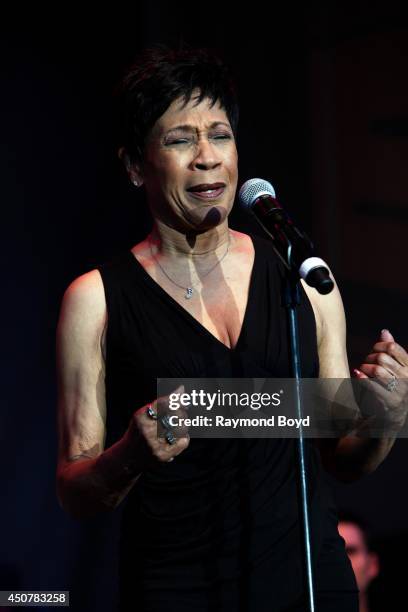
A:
<point x="218" y="528"/>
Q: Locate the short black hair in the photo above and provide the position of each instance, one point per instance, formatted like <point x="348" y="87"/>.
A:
<point x="159" y="76"/>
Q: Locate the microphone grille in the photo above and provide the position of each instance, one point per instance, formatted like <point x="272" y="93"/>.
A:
<point x="253" y="189"/>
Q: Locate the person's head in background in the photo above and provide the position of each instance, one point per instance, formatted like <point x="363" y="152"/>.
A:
<point x="365" y="562"/>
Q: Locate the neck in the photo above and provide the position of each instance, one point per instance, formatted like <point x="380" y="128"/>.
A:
<point x="171" y="243"/>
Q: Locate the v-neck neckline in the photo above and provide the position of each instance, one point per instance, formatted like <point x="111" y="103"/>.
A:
<point x="155" y="285"/>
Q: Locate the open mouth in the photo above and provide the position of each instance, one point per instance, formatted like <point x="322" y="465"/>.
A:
<point x="207" y="191"/>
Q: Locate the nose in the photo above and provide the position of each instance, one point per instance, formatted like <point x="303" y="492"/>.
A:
<point x="207" y="155"/>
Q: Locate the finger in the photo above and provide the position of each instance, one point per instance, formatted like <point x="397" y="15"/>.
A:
<point x="179" y="446"/>
<point x="174" y="400"/>
<point x="183" y="416"/>
<point x="178" y="423"/>
<point x="385" y="360"/>
<point x="359" y="374"/>
<point x="375" y="371"/>
<point x="394" y="350"/>
<point x="171" y="423"/>
<point x="151" y="411"/>
<point x="177" y="406"/>
<point x="164" y="450"/>
<point x="387" y="336"/>
<point x="383" y="347"/>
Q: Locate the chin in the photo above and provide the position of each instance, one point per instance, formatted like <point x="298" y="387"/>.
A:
<point x="211" y="218"/>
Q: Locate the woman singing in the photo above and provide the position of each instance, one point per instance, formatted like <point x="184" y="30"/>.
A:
<point x="208" y="524"/>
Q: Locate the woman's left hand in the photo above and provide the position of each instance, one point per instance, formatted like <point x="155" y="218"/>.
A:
<point x="387" y="364"/>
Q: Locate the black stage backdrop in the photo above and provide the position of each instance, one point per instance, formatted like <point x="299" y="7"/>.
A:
<point x="324" y="98"/>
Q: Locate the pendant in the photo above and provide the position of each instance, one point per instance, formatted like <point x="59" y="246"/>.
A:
<point x="189" y="293"/>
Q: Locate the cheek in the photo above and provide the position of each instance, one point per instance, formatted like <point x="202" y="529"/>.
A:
<point x="162" y="166"/>
<point x="232" y="163"/>
<point x="170" y="172"/>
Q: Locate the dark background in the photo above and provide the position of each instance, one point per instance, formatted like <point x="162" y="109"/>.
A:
<point x="324" y="117"/>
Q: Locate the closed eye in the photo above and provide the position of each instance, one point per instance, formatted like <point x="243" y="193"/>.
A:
<point x="221" y="136"/>
<point x="190" y="140"/>
<point x="174" y="141"/>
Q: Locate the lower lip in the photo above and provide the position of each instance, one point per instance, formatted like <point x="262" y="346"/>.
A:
<point x="202" y="195"/>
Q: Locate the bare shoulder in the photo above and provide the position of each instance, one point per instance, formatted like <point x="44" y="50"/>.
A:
<point x="81" y="368"/>
<point x="141" y="250"/>
<point x="84" y="300"/>
<point x="86" y="289"/>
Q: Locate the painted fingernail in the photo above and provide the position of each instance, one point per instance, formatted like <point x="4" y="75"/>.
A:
<point x="357" y="372"/>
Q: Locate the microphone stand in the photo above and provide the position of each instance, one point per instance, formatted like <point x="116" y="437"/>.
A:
<point x="286" y="238"/>
<point x="292" y="300"/>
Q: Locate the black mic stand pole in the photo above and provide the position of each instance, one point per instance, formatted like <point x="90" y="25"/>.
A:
<point x="292" y="300"/>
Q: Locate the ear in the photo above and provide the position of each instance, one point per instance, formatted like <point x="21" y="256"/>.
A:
<point x="132" y="168"/>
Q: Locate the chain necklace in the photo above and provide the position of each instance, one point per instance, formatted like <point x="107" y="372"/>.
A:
<point x="189" y="290"/>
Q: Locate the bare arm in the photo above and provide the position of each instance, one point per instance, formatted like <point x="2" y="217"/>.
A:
<point x="89" y="479"/>
<point x="350" y="456"/>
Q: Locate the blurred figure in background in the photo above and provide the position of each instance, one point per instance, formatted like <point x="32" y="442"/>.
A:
<point x="365" y="562"/>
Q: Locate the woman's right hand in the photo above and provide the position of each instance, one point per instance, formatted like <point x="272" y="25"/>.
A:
<point x="144" y="430"/>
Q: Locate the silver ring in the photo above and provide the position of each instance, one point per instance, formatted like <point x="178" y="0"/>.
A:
<point x="392" y="384"/>
<point x="164" y="420"/>
<point x="170" y="438"/>
<point x="151" y="413"/>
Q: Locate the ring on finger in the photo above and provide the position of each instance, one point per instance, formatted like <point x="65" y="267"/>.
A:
<point x="165" y="421"/>
<point x="170" y="438"/>
<point x="393" y="383"/>
<point x="151" y="413"/>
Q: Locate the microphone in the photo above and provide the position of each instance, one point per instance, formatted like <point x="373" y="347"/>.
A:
<point x="292" y="246"/>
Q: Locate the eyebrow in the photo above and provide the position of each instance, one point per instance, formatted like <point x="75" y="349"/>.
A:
<point x="186" y="127"/>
